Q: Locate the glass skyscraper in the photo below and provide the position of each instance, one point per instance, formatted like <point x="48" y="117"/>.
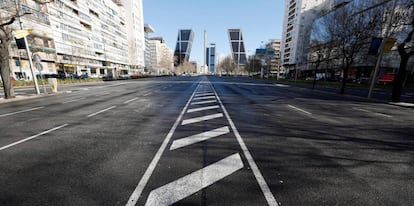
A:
<point x="183" y="48"/>
<point x="237" y="46"/>
<point x="211" y="58"/>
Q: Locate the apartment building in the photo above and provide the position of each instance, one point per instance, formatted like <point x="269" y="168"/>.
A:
<point x="297" y="24"/>
<point x="162" y="58"/>
<point x="40" y="40"/>
<point x="147" y="54"/>
<point x="273" y="61"/>
<point x="135" y="33"/>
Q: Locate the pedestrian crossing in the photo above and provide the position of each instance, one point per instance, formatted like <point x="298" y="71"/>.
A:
<point x="204" y="107"/>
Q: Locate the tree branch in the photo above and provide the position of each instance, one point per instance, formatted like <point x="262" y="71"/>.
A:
<point x="9" y="22"/>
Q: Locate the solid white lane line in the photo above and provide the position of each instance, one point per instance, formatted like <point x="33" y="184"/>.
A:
<point x="375" y="113"/>
<point x="18" y="112"/>
<point x="204" y="98"/>
<point x="131" y="100"/>
<point x="200" y="119"/>
<point x="271" y="200"/>
<point x="204" y="102"/>
<point x="202" y="109"/>
<point x="73" y="100"/>
<point x="183" y="142"/>
<point x="299" y="109"/>
<point x="282" y="85"/>
<point x="204" y="94"/>
<point x="104" y="110"/>
<point x="32" y="137"/>
<point x="194" y="182"/>
<point x="144" y="180"/>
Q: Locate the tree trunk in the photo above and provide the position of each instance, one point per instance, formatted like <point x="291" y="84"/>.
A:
<point x="399" y="79"/>
<point x="345" y="78"/>
<point x="5" y="70"/>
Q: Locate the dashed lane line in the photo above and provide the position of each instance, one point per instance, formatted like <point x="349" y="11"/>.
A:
<point x="204" y="102"/>
<point x="202" y="109"/>
<point x="271" y="200"/>
<point x="131" y="100"/>
<point x="299" y="109"/>
<point x="144" y="180"/>
<point x="183" y="142"/>
<point x="73" y="100"/>
<point x="32" y="137"/>
<point x="375" y="113"/>
<point x="104" y="110"/>
<point x="194" y="182"/>
<point x="18" y="112"/>
<point x="201" y="119"/>
<point x="204" y="98"/>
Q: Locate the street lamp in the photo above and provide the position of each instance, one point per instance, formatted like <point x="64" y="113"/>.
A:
<point x="29" y="56"/>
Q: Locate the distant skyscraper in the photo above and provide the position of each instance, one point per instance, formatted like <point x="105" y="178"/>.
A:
<point x="183" y="48"/>
<point x="211" y="58"/>
<point x="237" y="46"/>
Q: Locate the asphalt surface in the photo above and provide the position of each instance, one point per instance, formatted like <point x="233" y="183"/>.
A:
<point x="204" y="141"/>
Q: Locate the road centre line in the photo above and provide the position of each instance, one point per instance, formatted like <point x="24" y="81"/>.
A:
<point x="204" y="102"/>
<point x="73" y="100"/>
<point x="299" y="109"/>
<point x="18" y="112"/>
<point x="131" y="100"/>
<point x="194" y="182"/>
<point x="203" y="109"/>
<point x="186" y="141"/>
<point x="375" y="113"/>
<point x="144" y="180"/>
<point x="271" y="200"/>
<point x="203" y="118"/>
<point x="104" y="110"/>
<point x="204" y="98"/>
<point x="32" y="137"/>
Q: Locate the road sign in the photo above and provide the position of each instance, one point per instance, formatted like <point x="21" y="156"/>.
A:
<point x="22" y="33"/>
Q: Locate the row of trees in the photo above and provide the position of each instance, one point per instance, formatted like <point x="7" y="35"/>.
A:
<point x="343" y="36"/>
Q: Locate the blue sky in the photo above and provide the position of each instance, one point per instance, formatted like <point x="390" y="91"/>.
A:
<point x="260" y="20"/>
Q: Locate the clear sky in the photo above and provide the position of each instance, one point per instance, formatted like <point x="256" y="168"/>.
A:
<point x="260" y="20"/>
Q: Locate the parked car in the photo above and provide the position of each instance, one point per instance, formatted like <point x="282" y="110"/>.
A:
<point x="386" y="79"/>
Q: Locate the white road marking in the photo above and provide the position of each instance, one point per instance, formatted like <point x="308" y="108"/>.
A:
<point x="147" y="94"/>
<point x="32" y="137"/>
<point x="131" y="100"/>
<point x="271" y="201"/>
<point x="200" y="119"/>
<point x="144" y="180"/>
<point x="281" y="85"/>
<point x="299" y="109"/>
<point x="204" y="94"/>
<point x="204" y="98"/>
<point x="104" y="110"/>
<point x="183" y="142"/>
<point x="202" y="109"/>
<point x="194" y="182"/>
<point x="27" y="110"/>
<point x="375" y="113"/>
<point x="73" y="100"/>
<point x="204" y="102"/>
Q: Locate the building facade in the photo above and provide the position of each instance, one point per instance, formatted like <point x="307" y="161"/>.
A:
<point x="161" y="57"/>
<point x="93" y="38"/>
<point x="41" y="41"/>
<point x="297" y="23"/>
<point x="183" y="47"/>
<point x="273" y="60"/>
<point x="237" y="46"/>
<point x="147" y="54"/>
<point x="211" y="58"/>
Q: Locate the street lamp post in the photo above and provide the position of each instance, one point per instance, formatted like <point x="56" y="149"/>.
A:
<point x="381" y="49"/>
<point x="29" y="54"/>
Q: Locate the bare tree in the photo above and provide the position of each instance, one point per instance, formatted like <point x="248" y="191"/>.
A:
<point x="403" y="25"/>
<point x="10" y="12"/>
<point x="227" y="65"/>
